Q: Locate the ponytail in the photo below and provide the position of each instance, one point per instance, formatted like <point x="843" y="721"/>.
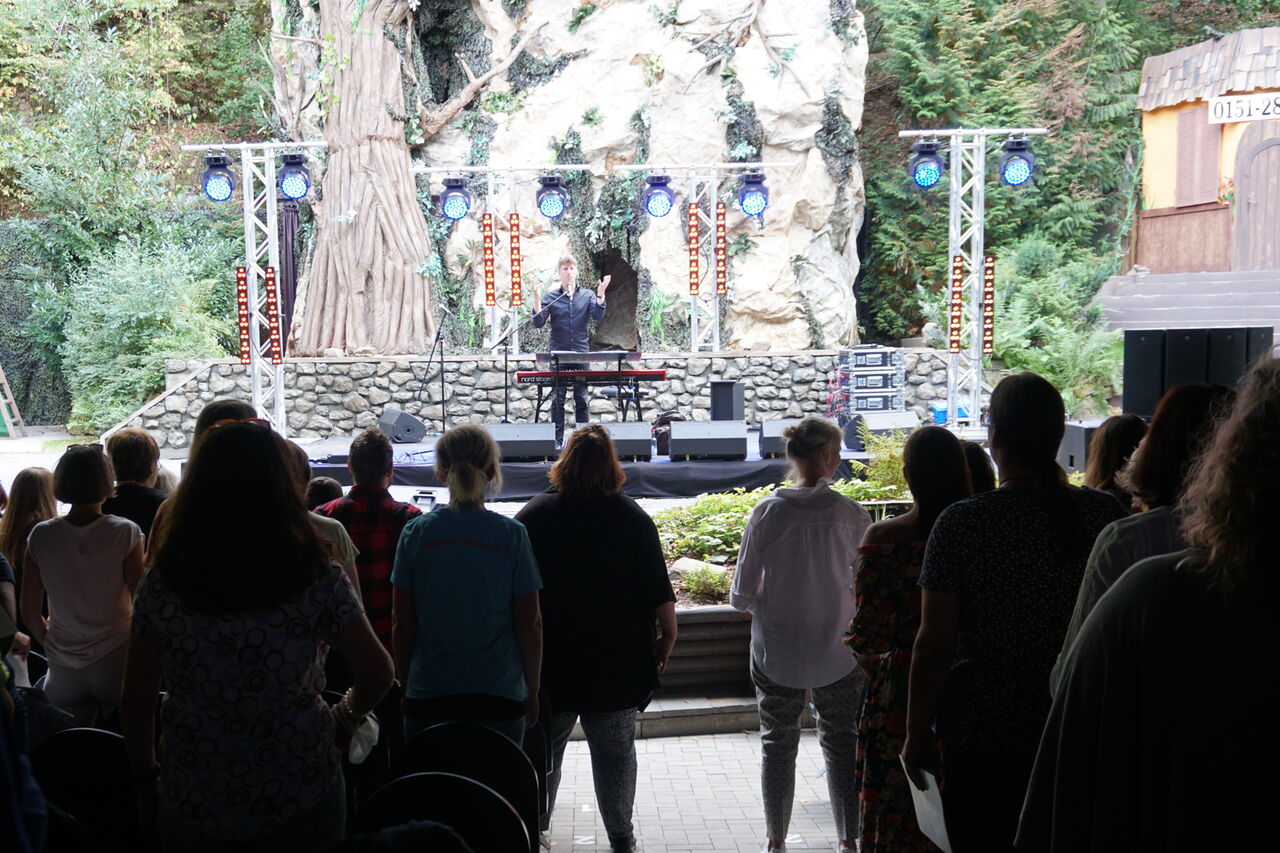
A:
<point x="467" y="460"/>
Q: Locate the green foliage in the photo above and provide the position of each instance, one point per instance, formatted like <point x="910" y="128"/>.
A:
<point x="591" y="117"/>
<point x="667" y="15"/>
<point x="707" y="582"/>
<point x="884" y="471"/>
<point x="654" y="68"/>
<point x="579" y="15"/>
<point x="501" y="102"/>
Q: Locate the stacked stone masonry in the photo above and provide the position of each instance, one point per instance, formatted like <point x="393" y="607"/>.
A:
<point x="327" y="398"/>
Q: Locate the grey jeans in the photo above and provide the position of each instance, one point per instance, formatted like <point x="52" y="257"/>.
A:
<point x="838" y="707"/>
<point x="611" y="738"/>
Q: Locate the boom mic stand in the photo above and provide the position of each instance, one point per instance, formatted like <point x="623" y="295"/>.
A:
<point x="439" y="342"/>
<point x="505" y="343"/>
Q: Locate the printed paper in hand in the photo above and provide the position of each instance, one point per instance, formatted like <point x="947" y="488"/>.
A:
<point x="928" y="805"/>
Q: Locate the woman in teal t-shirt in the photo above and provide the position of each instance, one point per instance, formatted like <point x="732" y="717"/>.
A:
<point x="468" y="631"/>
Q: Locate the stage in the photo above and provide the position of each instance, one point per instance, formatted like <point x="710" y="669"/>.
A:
<point x="658" y="478"/>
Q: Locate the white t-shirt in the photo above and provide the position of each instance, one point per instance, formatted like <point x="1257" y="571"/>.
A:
<point x="795" y="575"/>
<point x="82" y="568"/>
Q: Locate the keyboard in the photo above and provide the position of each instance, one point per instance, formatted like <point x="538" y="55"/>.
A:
<point x="589" y="377"/>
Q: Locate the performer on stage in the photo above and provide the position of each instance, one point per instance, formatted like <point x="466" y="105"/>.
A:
<point x="570" y="309"/>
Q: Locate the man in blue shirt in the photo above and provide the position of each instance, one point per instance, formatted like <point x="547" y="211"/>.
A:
<point x="570" y="309"/>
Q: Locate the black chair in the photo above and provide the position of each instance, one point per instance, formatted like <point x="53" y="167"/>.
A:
<point x="85" y="772"/>
<point x="479" y="753"/>
<point x="484" y="820"/>
<point x="37" y="667"/>
<point x="538" y="746"/>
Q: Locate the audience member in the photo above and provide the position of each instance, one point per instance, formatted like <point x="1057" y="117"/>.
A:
<point x="1110" y="447"/>
<point x="237" y="627"/>
<point x="1156" y="474"/>
<point x="794" y="571"/>
<point x="1000" y="573"/>
<point x="321" y="490"/>
<point x="30" y="502"/>
<point x="887" y="596"/>
<point x="166" y="481"/>
<point x="341" y="549"/>
<point x="466" y="625"/>
<point x="4" y="499"/>
<point x="89" y="565"/>
<point x="1128" y="761"/>
<point x="136" y="460"/>
<point x="982" y="474"/>
<point x="601" y="658"/>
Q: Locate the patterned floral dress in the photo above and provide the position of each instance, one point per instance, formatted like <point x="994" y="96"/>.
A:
<point x="884" y="628"/>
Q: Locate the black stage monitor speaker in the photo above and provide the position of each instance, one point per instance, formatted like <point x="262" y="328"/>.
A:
<point x="401" y="427"/>
<point x="1143" y="370"/>
<point x="524" y="442"/>
<point x="633" y="441"/>
<point x="1186" y="356"/>
<point x="1261" y="340"/>
<point x="727" y="400"/>
<point x="708" y="440"/>
<point x="1228" y="351"/>
<point x="772" y="444"/>
<point x="1073" y="453"/>
<point x="877" y="422"/>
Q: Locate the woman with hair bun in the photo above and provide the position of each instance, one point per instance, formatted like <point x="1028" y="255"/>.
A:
<point x="467" y="629"/>
<point x="795" y="569"/>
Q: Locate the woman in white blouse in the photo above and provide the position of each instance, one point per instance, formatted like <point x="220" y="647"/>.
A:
<point x="795" y="571"/>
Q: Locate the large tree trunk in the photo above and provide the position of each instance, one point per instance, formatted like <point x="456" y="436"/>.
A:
<point x="365" y="290"/>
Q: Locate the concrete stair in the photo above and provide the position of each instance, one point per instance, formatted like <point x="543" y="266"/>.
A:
<point x="1203" y="300"/>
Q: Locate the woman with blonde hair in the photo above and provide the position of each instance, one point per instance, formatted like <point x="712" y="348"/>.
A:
<point x="795" y="568"/>
<point x="602" y="656"/>
<point x="467" y="630"/>
<point x="1158" y="769"/>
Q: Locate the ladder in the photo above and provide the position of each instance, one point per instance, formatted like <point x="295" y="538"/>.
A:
<point x="13" y="424"/>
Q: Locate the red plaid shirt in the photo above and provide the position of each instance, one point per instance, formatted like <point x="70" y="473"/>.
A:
<point x="373" y="520"/>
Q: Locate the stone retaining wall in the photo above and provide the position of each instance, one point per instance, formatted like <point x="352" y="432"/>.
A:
<point x="338" y="396"/>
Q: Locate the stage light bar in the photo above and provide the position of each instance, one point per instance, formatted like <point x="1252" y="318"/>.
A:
<point x="242" y="313"/>
<point x="1016" y="164"/>
<point x="926" y="165"/>
<point x="988" y="303"/>
<point x="490" y="296"/>
<point x="722" y="252"/>
<point x="455" y="201"/>
<point x="294" y="178"/>
<point x="517" y="278"/>
<point x="217" y="181"/>
<point x="693" y="249"/>
<point x="957" y="303"/>
<point x="753" y="195"/>
<point x="273" y="316"/>
<point x="658" y="197"/>
<point x="553" y="201"/>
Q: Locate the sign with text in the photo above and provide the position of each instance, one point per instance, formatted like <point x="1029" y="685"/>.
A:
<point x="1228" y="108"/>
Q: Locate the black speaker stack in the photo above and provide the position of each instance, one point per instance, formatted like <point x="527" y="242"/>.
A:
<point x="1155" y="360"/>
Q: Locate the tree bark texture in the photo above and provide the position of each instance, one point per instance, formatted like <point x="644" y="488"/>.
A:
<point x="365" y="292"/>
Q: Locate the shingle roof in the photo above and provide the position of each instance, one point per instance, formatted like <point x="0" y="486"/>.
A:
<point x="1241" y="62"/>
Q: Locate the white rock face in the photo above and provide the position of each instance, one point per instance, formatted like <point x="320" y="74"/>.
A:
<point x="631" y="63"/>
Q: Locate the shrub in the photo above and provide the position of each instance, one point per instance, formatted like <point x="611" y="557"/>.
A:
<point x="707" y="583"/>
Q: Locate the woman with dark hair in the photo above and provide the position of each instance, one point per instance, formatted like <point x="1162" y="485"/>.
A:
<point x="31" y="501"/>
<point x="1128" y="760"/>
<point x="887" y="595"/>
<point x="1000" y="573"/>
<point x="1183" y="422"/>
<point x="795" y="567"/>
<point x="1110" y="447"/>
<point x="982" y="474"/>
<point x="605" y="583"/>
<point x="237" y="613"/>
<point x="89" y="564"/>
<point x="466" y="627"/>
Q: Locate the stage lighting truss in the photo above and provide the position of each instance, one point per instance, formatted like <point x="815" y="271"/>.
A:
<point x="956" y="313"/>
<point x="217" y="181"/>
<point x="490" y="295"/>
<point x="693" y="248"/>
<point x="753" y="195"/>
<point x="552" y="198"/>
<point x="988" y="304"/>
<point x="1017" y="164"/>
<point x="242" y="313"/>
<point x="658" y="197"/>
<point x="926" y="165"/>
<point x="722" y="252"/>
<point x="273" y="316"/>
<point x="517" y="278"/>
<point x="294" y="178"/>
<point x="455" y="201"/>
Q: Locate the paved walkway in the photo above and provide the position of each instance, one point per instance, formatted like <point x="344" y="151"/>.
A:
<point x="695" y="795"/>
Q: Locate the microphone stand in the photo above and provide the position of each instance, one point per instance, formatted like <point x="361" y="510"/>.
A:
<point x="439" y="342"/>
<point x="505" y="343"/>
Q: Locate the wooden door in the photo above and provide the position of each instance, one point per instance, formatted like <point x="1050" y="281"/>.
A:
<point x="1257" y="226"/>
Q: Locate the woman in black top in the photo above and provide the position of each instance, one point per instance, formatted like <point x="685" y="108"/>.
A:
<point x="604" y="584"/>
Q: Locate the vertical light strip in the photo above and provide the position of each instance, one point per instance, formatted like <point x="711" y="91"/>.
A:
<point x="517" y="280"/>
<point x="273" y="317"/>
<point x="988" y="303"/>
<point x="490" y="296"/>
<point x="242" y="312"/>
<point x="693" y="248"/>
<point x="957" y="303"/>
<point x="722" y="252"/>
